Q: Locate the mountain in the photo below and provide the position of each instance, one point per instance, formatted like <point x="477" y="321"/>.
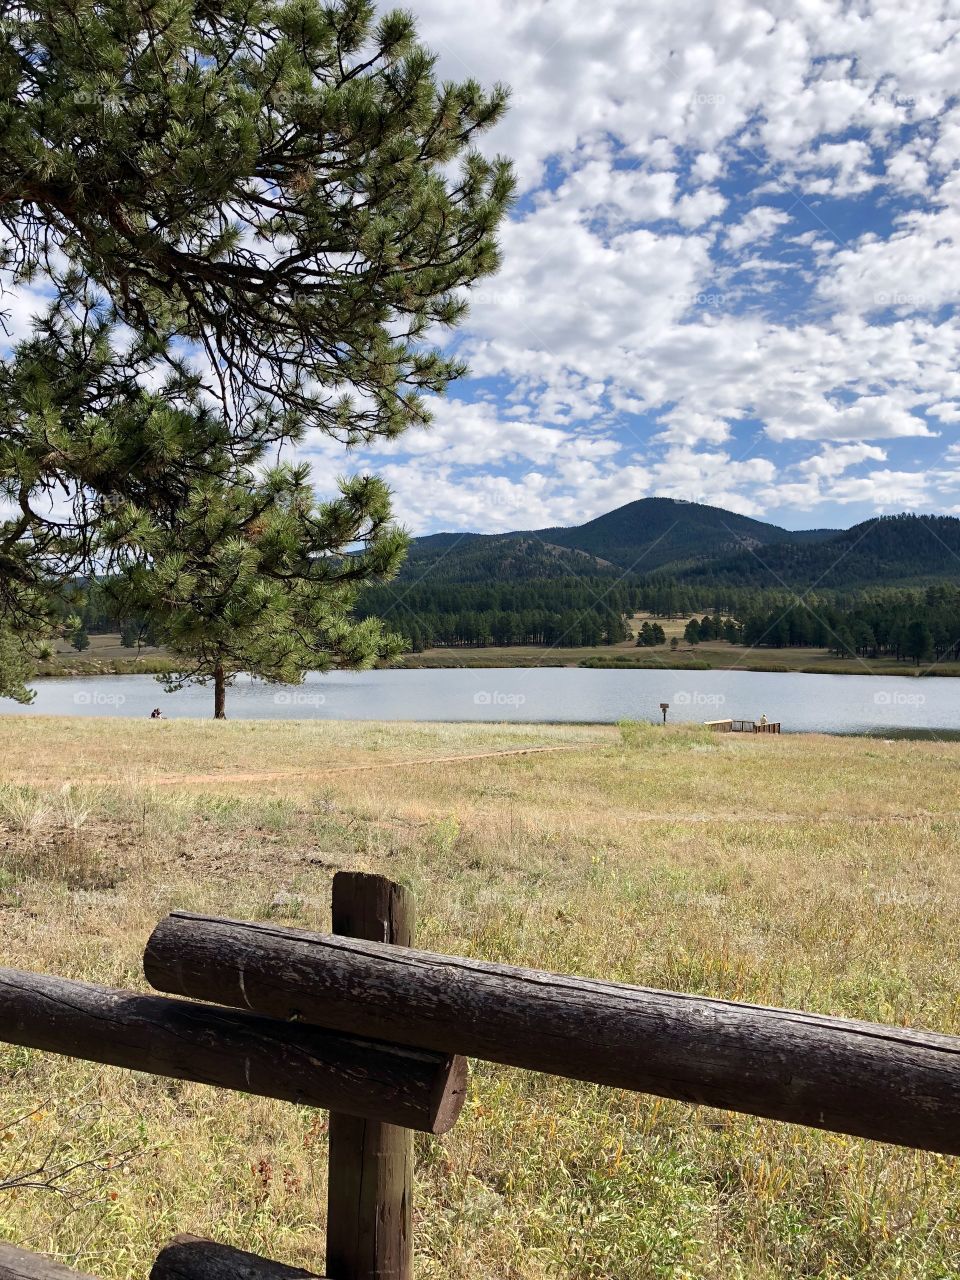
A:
<point x="654" y="532"/>
<point x="889" y="550"/>
<point x="576" y="587"/>
<point x="640" y="537"/>
<point x="511" y="557"/>
<point x="697" y="544"/>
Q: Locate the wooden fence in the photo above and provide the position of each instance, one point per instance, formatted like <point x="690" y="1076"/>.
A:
<point x="360" y="1022"/>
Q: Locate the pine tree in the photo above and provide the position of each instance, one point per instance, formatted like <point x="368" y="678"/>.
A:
<point x="919" y="641"/>
<point x="254" y="575"/>
<point x="285" y="188"/>
<point x="16" y="666"/>
<point x="286" y="184"/>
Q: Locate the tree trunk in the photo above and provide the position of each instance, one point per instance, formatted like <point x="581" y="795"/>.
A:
<point x="219" y="692"/>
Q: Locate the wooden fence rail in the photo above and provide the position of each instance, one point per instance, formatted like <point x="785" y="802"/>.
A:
<point x="360" y="1022"/>
<point x="420" y="1089"/>
<point x="184" y="1258"/>
<point x="887" y="1083"/>
<point x="190" y="1258"/>
<point x="21" y="1264"/>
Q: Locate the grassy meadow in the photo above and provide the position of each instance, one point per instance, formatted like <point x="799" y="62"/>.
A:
<point x="106" y="656"/>
<point x="716" y="654"/>
<point x="805" y="871"/>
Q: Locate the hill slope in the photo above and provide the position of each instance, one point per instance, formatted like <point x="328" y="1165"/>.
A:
<point x="640" y="537"/>
<point x="510" y="557"/>
<point x="695" y="543"/>
<point x="886" y="550"/>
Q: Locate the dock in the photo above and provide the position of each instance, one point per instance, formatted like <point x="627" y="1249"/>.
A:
<point x="743" y="726"/>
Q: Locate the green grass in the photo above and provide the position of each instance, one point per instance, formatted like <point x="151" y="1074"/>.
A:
<point x="804" y="871"/>
<point x="640" y="662"/>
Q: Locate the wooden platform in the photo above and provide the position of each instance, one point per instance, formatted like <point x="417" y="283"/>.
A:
<point x="744" y="726"/>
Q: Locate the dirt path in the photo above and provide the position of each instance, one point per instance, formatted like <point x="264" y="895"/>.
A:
<point x="275" y="775"/>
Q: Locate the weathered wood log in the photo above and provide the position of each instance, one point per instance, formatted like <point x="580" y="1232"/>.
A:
<point x="370" y="1184"/>
<point x="888" y="1083"/>
<point x="192" y="1258"/>
<point x="20" y="1264"/>
<point x="243" y="1051"/>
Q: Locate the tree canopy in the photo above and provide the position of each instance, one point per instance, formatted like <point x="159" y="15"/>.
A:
<point x="285" y="184"/>
<point x="253" y="218"/>
<point x="252" y="575"/>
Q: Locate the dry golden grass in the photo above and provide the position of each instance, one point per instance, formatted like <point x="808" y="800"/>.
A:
<point x="805" y="871"/>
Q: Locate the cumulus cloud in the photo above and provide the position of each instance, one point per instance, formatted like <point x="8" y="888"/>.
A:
<point x="833" y="460"/>
<point x="731" y="275"/>
<point x="754" y="227"/>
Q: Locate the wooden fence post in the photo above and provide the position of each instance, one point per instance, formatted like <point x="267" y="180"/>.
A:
<point x="371" y="1163"/>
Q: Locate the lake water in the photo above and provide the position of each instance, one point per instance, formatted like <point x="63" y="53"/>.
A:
<point x="833" y="704"/>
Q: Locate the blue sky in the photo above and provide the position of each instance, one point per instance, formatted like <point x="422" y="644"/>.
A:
<point x="731" y="276"/>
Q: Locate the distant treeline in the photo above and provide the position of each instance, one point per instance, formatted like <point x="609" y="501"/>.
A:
<point x="908" y="624"/>
<point x="562" y="611"/>
<point x="902" y="624"/>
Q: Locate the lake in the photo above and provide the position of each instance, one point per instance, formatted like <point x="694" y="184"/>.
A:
<point x="831" y="704"/>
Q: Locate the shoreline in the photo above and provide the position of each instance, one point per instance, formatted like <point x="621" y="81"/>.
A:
<point x="888" y="734"/>
<point x="538" y="660"/>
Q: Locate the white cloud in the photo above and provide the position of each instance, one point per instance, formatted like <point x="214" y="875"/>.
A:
<point x="683" y="278"/>
<point x="885" y="490"/>
<point x="843" y="167"/>
<point x="758" y="225"/>
<point x="916" y="269"/>
<point x="698" y="207"/>
<point x="465" y="434"/>
<point x="833" y="460"/>
<point x="18" y="309"/>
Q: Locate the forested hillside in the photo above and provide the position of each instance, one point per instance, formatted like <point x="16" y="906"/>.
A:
<point x="569" y="611"/>
<point x="885" y="588"/>
<point x="653" y="532"/>
<point x="578" y="586"/>
<point x="888" y="549"/>
<point x="640" y="537"/>
<point x="472" y="557"/>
